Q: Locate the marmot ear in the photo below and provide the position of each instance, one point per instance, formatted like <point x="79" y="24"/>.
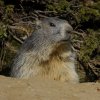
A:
<point x="38" y="22"/>
<point x="39" y="19"/>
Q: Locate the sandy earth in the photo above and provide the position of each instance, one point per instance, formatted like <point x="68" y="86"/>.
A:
<point x="37" y="89"/>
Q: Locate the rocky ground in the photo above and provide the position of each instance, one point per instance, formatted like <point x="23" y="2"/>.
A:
<point x="38" y="89"/>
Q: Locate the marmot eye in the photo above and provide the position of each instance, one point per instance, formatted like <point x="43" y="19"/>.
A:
<point x="52" y="24"/>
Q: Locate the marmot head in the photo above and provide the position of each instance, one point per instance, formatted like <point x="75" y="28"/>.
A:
<point x="54" y="28"/>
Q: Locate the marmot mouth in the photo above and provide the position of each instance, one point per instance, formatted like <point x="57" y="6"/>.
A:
<point x="65" y="40"/>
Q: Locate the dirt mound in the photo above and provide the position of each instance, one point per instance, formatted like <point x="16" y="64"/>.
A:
<point x="38" y="89"/>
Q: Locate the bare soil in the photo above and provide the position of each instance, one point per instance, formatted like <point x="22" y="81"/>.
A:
<point x="40" y="89"/>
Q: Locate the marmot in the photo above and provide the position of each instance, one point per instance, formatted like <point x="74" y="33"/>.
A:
<point x="47" y="53"/>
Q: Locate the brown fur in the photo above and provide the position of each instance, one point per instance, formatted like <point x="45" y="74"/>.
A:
<point x="58" y="67"/>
